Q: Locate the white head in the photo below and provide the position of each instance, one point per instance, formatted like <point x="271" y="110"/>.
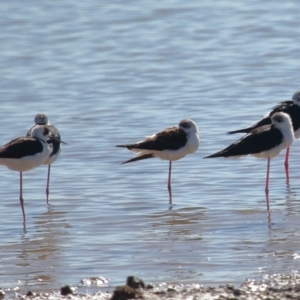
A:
<point x="296" y="98"/>
<point x="40" y="132"/>
<point x="41" y="119"/>
<point x="282" y="121"/>
<point x="188" y="126"/>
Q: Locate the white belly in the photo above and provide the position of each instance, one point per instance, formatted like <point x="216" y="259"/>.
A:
<point x="269" y="153"/>
<point x="191" y="146"/>
<point x="26" y="163"/>
<point x="51" y="159"/>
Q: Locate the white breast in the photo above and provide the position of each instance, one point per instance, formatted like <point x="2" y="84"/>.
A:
<point x="27" y="163"/>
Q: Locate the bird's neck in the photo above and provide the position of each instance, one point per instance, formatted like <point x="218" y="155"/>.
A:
<point x="41" y="140"/>
<point x="193" y="141"/>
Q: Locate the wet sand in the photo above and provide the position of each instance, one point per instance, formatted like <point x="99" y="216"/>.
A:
<point x="277" y="286"/>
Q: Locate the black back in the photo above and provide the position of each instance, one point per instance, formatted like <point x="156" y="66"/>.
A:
<point x="172" y="138"/>
<point x="291" y="109"/>
<point x="258" y="140"/>
<point x="288" y="107"/>
<point x="21" y="147"/>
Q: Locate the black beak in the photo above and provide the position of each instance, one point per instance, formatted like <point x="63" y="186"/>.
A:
<point x="54" y="139"/>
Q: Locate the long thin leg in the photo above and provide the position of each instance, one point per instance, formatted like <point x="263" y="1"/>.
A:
<point x="286" y="162"/>
<point x="286" y="165"/>
<point x="169" y="180"/>
<point x="267" y="184"/>
<point x="21" y="197"/>
<point x="48" y="180"/>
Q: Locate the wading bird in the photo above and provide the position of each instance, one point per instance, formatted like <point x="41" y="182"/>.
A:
<point x="26" y="153"/>
<point x="170" y="144"/>
<point x="290" y="107"/>
<point x="42" y="119"/>
<point x="263" y="142"/>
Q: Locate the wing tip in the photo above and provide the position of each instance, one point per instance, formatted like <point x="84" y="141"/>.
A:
<point x="245" y="130"/>
<point x="213" y="156"/>
<point x="145" y="156"/>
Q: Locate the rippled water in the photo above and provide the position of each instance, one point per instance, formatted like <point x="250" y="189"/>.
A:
<point x="114" y="72"/>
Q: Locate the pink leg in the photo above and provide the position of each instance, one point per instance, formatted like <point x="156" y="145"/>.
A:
<point x="286" y="162"/>
<point x="169" y="179"/>
<point x="21" y="197"/>
<point x="267" y="184"/>
<point x="286" y="165"/>
<point x="48" y="180"/>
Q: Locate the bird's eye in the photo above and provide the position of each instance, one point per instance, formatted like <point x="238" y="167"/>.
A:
<point x="278" y="119"/>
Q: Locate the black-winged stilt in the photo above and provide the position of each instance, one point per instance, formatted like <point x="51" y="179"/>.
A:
<point x="42" y="119"/>
<point x="170" y="144"/>
<point x="292" y="108"/>
<point x="26" y="153"/>
<point x="263" y="142"/>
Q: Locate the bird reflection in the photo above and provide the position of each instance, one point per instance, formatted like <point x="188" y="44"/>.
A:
<point x="40" y="253"/>
<point x="180" y="222"/>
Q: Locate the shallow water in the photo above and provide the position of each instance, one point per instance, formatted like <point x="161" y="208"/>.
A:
<point x="114" y="73"/>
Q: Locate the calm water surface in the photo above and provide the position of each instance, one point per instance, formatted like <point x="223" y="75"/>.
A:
<point x="114" y="72"/>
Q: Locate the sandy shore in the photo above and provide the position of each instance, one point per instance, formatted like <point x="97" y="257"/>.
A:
<point x="276" y="286"/>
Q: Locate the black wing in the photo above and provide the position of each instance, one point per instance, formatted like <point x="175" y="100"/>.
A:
<point x="145" y="156"/>
<point x="258" y="140"/>
<point x="284" y="106"/>
<point x="262" y="122"/>
<point x="21" y="147"/>
<point x="169" y="139"/>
